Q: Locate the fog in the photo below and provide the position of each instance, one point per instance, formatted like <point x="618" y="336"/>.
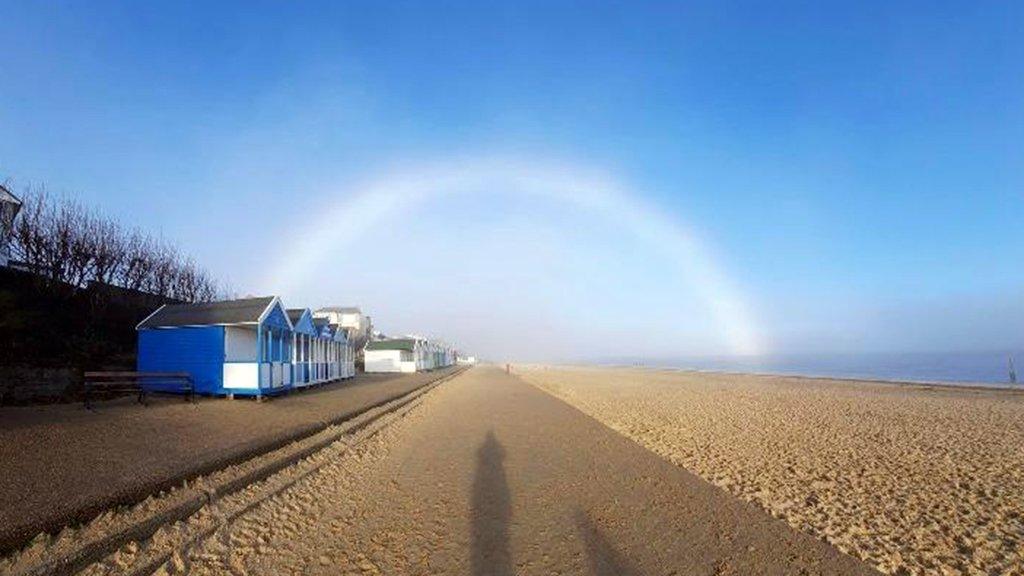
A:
<point x="509" y="273"/>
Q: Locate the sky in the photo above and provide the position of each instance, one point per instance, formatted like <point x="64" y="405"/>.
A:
<point x="553" y="181"/>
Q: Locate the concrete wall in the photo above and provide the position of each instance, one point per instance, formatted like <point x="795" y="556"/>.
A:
<point x="26" y="385"/>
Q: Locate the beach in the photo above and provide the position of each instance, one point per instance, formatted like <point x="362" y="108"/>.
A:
<point x="64" y="465"/>
<point x="484" y="475"/>
<point x="911" y="479"/>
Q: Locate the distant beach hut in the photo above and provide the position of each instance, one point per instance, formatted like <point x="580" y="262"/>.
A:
<point x="323" y="350"/>
<point x="430" y="355"/>
<point x="304" y="333"/>
<point x="357" y="328"/>
<point x="344" y="352"/>
<point x="344" y="355"/>
<point x="230" y="347"/>
<point x="444" y="355"/>
<point x="333" y="356"/>
<point x="394" y="355"/>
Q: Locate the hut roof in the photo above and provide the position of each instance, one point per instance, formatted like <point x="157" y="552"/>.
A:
<point x="244" y="311"/>
<point x="295" y="314"/>
<point x="341" y="309"/>
<point x="396" y="344"/>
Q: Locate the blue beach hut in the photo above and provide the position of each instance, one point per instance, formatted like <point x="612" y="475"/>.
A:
<point x="341" y="359"/>
<point x="303" y="335"/>
<point x="323" y="350"/>
<point x="346" y="355"/>
<point x="231" y="347"/>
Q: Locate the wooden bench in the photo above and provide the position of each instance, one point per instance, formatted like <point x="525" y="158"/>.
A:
<point x="135" y="383"/>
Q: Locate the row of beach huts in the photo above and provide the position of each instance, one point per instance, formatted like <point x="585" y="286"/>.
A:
<point x="257" y="347"/>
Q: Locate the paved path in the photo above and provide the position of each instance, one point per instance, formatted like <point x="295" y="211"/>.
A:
<point x="493" y="476"/>
<point x="63" y="464"/>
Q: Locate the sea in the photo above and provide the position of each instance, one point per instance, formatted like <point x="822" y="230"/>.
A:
<point x="957" y="368"/>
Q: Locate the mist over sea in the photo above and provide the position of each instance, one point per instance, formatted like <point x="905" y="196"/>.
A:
<point x="989" y="368"/>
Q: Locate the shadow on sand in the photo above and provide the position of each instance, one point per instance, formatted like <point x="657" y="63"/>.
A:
<point x="603" y="558"/>
<point x="491" y="512"/>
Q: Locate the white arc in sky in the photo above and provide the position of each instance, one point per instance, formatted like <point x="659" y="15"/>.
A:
<point x="363" y="207"/>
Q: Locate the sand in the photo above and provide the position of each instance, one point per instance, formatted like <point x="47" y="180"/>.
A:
<point x="489" y="475"/>
<point x="63" y="464"/>
<point x="911" y="479"/>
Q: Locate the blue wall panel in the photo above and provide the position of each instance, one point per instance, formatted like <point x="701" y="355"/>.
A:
<point x="198" y="351"/>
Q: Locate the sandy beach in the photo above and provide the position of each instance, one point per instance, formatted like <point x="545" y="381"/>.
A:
<point x="911" y="479"/>
<point x="64" y="465"/>
<point x="491" y="476"/>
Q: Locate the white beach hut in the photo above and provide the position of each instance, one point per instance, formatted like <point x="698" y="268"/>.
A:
<point x="393" y="355"/>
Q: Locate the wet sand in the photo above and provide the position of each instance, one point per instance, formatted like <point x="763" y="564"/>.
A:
<point x="490" y="475"/>
<point x="911" y="479"/>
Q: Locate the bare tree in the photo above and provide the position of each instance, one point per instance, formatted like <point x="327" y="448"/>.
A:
<point x="109" y="249"/>
<point x="78" y="223"/>
<point x="186" y="282"/>
<point x="27" y="233"/>
<point x="58" y="230"/>
<point x="163" y="274"/>
<point x="138" y="261"/>
<point x="207" y="290"/>
<point x="71" y="245"/>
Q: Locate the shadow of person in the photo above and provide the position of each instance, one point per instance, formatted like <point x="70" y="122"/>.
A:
<point x="491" y="512"/>
<point x="604" y="560"/>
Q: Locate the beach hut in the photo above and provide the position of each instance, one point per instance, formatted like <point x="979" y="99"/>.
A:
<point x="442" y="355"/>
<point x="427" y="353"/>
<point x="421" y="352"/>
<point x="358" y="327"/>
<point x="394" y="355"/>
<point x="344" y="352"/>
<point x="304" y="332"/>
<point x="435" y="355"/>
<point x="230" y="347"/>
<point x="349" y="359"/>
<point x="322" y="351"/>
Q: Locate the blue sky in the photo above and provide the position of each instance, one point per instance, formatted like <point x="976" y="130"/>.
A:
<point x="853" y="170"/>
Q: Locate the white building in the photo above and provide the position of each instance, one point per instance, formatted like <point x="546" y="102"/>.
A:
<point x="357" y="325"/>
<point x="9" y="207"/>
